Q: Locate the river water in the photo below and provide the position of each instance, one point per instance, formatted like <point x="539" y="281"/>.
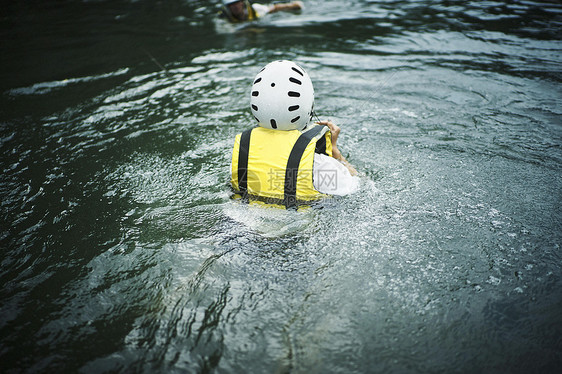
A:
<point x="122" y="251"/>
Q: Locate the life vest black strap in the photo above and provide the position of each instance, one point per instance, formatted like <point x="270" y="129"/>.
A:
<point x="243" y="153"/>
<point x="290" y="193"/>
<point x="321" y="146"/>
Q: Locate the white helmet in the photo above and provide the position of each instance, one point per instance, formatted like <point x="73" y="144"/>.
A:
<point x="282" y="96"/>
<point x="226" y="2"/>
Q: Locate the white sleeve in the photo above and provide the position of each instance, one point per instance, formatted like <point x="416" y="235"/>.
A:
<point x="331" y="177"/>
<point x="261" y="10"/>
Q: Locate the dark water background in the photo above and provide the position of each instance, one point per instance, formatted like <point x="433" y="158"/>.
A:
<point x="121" y="251"/>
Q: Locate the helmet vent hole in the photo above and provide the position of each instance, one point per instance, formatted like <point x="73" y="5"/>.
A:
<point x="295" y="80"/>
<point x="255" y="107"/>
<point x="298" y="71"/>
<point x="272" y="84"/>
<point x="295" y="119"/>
<point x="255" y="93"/>
<point x="273" y="123"/>
<point x="293" y="94"/>
<point x="292" y="108"/>
<point x="257" y="80"/>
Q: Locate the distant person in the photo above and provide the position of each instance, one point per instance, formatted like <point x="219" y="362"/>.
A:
<point x="244" y="10"/>
<point x="286" y="159"/>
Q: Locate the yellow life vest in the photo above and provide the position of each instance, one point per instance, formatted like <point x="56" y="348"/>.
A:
<point x="275" y="166"/>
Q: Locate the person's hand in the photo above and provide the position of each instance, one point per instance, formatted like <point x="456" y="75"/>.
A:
<point x="335" y="131"/>
<point x="298" y="4"/>
<point x="295" y="5"/>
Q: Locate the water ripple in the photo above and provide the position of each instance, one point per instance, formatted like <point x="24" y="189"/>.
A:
<point x="123" y="251"/>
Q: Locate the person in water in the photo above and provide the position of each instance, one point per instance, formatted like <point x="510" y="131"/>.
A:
<point x="244" y="10"/>
<point x="286" y="159"/>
